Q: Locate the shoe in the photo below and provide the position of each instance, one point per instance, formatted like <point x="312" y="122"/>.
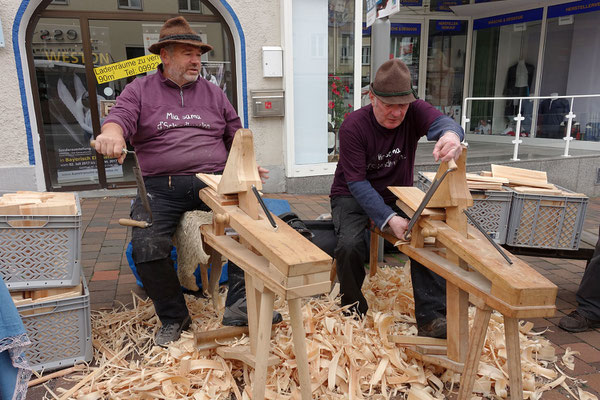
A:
<point x="237" y="314"/>
<point x="434" y="329"/>
<point x="171" y="332"/>
<point x="575" y="322"/>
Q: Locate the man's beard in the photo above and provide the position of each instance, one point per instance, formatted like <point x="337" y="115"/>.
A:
<point x="180" y="72"/>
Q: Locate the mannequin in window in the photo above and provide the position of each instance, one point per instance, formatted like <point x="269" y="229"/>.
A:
<point x="518" y="83"/>
<point x="551" y="113"/>
<point x="440" y="78"/>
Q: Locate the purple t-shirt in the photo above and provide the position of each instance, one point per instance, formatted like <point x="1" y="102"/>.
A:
<point x="384" y="157"/>
<point x="176" y="131"/>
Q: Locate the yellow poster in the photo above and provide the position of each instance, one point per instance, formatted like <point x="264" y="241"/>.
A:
<point x="123" y="69"/>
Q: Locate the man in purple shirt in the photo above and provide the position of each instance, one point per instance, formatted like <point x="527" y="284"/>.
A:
<point x="377" y="149"/>
<point x="179" y="125"/>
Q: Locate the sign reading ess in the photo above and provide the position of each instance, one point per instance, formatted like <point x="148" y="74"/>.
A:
<point x="124" y="69"/>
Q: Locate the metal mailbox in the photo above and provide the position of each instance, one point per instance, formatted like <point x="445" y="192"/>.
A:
<point x="268" y="103"/>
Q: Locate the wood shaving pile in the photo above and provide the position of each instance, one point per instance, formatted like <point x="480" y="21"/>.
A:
<point x="348" y="358"/>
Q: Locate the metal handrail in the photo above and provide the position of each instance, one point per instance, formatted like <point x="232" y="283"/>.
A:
<point x="519" y="117"/>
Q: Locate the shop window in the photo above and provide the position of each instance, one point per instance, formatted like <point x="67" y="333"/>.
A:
<point x="504" y="61"/>
<point x="130" y="4"/>
<point x="570" y="67"/>
<point x="405" y="44"/>
<point x="446" y="65"/>
<point x="366" y="55"/>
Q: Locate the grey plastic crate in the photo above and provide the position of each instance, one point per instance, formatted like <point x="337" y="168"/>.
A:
<point x="546" y="222"/>
<point x="60" y="332"/>
<point x="491" y="208"/>
<point x="38" y="251"/>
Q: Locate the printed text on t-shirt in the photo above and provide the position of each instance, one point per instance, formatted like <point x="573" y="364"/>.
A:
<point x="387" y="160"/>
<point x="176" y="121"/>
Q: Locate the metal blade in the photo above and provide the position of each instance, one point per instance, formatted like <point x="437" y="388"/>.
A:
<point x="141" y="186"/>
<point x="436" y="183"/>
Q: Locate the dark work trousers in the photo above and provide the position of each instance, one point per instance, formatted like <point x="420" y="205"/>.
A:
<point x="588" y="294"/>
<point x="169" y="197"/>
<point x="350" y="221"/>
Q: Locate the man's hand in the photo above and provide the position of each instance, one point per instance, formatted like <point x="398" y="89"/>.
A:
<point x="447" y="147"/>
<point x="264" y="174"/>
<point x="398" y="226"/>
<point x="110" y="142"/>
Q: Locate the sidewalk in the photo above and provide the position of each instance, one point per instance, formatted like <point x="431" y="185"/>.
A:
<point x="110" y="279"/>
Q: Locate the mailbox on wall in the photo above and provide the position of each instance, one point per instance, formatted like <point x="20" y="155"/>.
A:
<point x="268" y="103"/>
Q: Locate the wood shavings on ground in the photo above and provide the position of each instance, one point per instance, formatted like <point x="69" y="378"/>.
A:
<point x="348" y="358"/>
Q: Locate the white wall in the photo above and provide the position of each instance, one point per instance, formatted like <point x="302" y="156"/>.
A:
<point x="13" y="141"/>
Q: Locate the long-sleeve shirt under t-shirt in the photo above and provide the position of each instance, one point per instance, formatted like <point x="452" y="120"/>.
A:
<point x="381" y="157"/>
<point x="176" y="130"/>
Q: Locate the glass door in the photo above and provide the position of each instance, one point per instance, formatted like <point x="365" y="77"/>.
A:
<point x="65" y="114"/>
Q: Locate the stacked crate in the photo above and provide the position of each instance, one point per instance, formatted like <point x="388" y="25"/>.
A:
<point x="40" y="253"/>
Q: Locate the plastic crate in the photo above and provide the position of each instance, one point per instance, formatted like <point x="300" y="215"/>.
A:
<point x="491" y="209"/>
<point x="60" y="331"/>
<point x="546" y="222"/>
<point x="38" y="251"/>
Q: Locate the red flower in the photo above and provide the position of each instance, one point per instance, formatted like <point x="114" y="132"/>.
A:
<point x="346" y="114"/>
<point x="347" y="89"/>
<point x="349" y="105"/>
<point x="337" y="78"/>
<point x="336" y="92"/>
<point x="333" y="85"/>
<point x="331" y="105"/>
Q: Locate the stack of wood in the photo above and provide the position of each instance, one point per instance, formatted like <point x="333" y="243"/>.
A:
<point x="528" y="181"/>
<point x="38" y="203"/>
<point x="27" y="297"/>
<point x="520" y="180"/>
<point x="477" y="182"/>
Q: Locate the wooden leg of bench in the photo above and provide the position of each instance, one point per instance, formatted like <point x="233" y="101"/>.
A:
<point x="513" y="355"/>
<point x="478" y="332"/>
<point x="204" y="278"/>
<point x="262" y="344"/>
<point x="215" y="275"/>
<point x="299" y="338"/>
<point x="253" y="303"/>
<point x="373" y="253"/>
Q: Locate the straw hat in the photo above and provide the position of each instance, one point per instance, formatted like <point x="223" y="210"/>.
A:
<point x="177" y="30"/>
<point x="392" y="83"/>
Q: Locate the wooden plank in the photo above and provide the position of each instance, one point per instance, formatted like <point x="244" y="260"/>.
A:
<point x="287" y="249"/>
<point x="49" y="208"/>
<point x="409" y="198"/>
<point x="404" y="340"/>
<point x="538" y="191"/>
<point x="243" y="354"/>
<point x="522" y="176"/>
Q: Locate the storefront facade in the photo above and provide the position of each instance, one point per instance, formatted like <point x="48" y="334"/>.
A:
<point x="66" y="61"/>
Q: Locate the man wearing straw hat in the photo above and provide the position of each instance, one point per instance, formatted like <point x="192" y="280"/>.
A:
<point x="180" y="125"/>
<point x="377" y="149"/>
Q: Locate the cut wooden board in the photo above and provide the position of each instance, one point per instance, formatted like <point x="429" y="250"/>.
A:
<point x="409" y="198"/>
<point x="522" y="176"/>
<point x="38" y="203"/>
<point x="535" y="190"/>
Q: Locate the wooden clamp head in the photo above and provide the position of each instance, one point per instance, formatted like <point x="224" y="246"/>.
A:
<point x="453" y="191"/>
<point x="241" y="172"/>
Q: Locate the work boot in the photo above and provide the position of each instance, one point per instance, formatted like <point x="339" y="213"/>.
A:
<point x="171" y="332"/>
<point x="575" y="322"/>
<point x="434" y="329"/>
<point x="237" y="314"/>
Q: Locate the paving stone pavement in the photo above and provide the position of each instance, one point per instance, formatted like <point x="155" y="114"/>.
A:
<point x="111" y="281"/>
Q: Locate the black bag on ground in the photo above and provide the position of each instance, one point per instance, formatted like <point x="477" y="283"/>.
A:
<point x="320" y="232"/>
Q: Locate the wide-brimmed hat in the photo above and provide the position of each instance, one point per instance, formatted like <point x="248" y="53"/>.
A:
<point x="392" y="83"/>
<point x="177" y="30"/>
